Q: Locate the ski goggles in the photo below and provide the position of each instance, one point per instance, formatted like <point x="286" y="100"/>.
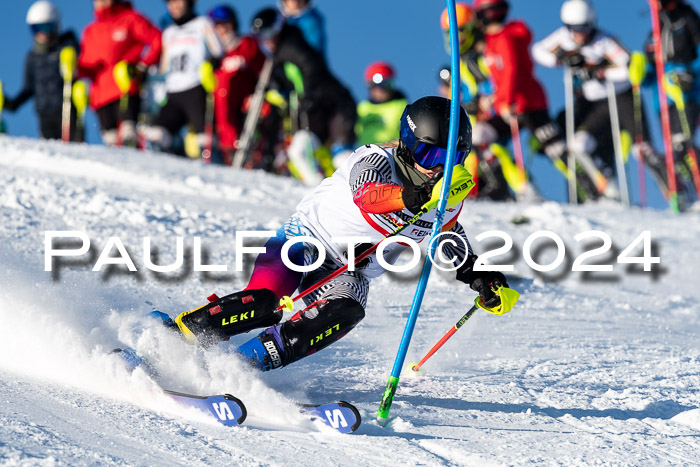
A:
<point x="46" y="28"/>
<point x="580" y="28"/>
<point x="429" y="156"/>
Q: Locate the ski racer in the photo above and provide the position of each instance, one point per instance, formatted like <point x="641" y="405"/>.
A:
<point x="118" y="34"/>
<point x="518" y="97"/>
<point x="327" y="107"/>
<point x="680" y="42"/>
<point x="378" y="117"/>
<point x="596" y="57"/>
<point x="305" y="16"/>
<point x="187" y="44"/>
<point x="235" y="78"/>
<point x="43" y="79"/>
<point x="377" y="189"/>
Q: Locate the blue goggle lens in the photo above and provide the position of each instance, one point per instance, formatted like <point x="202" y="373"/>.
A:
<point x="46" y="28"/>
<point x="429" y="156"/>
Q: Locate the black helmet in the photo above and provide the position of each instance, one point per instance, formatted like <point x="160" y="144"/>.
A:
<point x="266" y="22"/>
<point x="425" y="126"/>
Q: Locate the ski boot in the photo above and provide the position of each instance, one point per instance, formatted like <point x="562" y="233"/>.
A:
<point x="308" y="331"/>
<point x="230" y="315"/>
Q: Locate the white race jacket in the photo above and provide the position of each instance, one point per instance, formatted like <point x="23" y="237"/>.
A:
<point x="330" y="212"/>
<point x="185" y="48"/>
<point x="603" y="48"/>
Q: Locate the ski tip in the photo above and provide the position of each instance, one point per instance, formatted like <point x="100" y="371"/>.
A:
<point x="353" y="409"/>
<point x="241" y="406"/>
<point x="341" y="415"/>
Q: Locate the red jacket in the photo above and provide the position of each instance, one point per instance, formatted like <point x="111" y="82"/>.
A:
<point x="119" y="33"/>
<point x="507" y="55"/>
<point x="235" y="80"/>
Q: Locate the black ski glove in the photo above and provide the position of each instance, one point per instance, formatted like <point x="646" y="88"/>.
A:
<point x="9" y="104"/>
<point x="414" y="197"/>
<point x="482" y="281"/>
<point x="570" y="59"/>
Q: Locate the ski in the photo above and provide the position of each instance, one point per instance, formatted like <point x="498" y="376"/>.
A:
<point x="341" y="416"/>
<point x="231" y="411"/>
<point x="225" y="408"/>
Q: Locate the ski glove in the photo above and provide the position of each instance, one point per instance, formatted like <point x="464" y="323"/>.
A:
<point x="460" y="186"/>
<point x="482" y="282"/>
<point x="414" y="197"/>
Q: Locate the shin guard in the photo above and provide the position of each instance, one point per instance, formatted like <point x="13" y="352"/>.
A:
<point x="307" y="332"/>
<point x="230" y="315"/>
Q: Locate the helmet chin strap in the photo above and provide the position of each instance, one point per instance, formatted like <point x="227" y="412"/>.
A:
<point x="405" y="169"/>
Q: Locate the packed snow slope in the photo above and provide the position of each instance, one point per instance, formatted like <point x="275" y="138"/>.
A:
<point x="597" y="368"/>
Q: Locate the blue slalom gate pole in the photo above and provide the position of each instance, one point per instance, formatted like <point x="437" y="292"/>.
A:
<point x="392" y="384"/>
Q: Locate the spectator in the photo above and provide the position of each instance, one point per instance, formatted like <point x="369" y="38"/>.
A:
<point x="595" y="57"/>
<point x="42" y="70"/>
<point x="327" y="105"/>
<point x="378" y="117"/>
<point x="308" y="19"/>
<point x="118" y="34"/>
<point x="235" y="79"/>
<point x="187" y="44"/>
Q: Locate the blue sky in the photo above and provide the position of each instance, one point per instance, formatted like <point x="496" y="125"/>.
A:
<point x="403" y="32"/>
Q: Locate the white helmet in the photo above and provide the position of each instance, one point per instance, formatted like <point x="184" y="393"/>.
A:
<point x="578" y="13"/>
<point x="43" y="12"/>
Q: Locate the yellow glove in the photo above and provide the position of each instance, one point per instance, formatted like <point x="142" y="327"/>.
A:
<point x="122" y="76"/>
<point x="460" y="186"/>
<point x="637" y="68"/>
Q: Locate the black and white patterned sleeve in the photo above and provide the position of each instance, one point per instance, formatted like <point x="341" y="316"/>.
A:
<point x="373" y="168"/>
<point x="456" y="248"/>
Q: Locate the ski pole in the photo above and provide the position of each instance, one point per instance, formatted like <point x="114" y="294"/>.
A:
<point x="123" y="80"/>
<point x="675" y="93"/>
<point x="517" y="144"/>
<point x="655" y="6"/>
<point x="288" y="302"/>
<point x="206" y="76"/>
<point x="251" y="120"/>
<point x="617" y="143"/>
<point x="445" y="338"/>
<point x="67" y="60"/>
<point x="509" y="297"/>
<point x="393" y="382"/>
<point x="570" y="129"/>
<point x="636" y="74"/>
<point x="80" y="101"/>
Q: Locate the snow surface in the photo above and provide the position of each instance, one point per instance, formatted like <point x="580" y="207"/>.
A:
<point x="597" y="369"/>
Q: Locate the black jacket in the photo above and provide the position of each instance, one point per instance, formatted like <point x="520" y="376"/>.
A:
<point x="319" y="83"/>
<point x="42" y="77"/>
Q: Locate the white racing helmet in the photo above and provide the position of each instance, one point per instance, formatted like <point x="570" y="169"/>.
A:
<point x="578" y="15"/>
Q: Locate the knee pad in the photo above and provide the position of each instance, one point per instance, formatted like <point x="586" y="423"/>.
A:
<point x="230" y="315"/>
<point x="318" y="326"/>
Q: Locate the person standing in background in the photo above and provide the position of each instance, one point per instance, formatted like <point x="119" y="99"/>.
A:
<point x="235" y="79"/>
<point x="118" y="34"/>
<point x="305" y="16"/>
<point x="187" y="44"/>
<point x="42" y="70"/>
<point x="378" y="117"/>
